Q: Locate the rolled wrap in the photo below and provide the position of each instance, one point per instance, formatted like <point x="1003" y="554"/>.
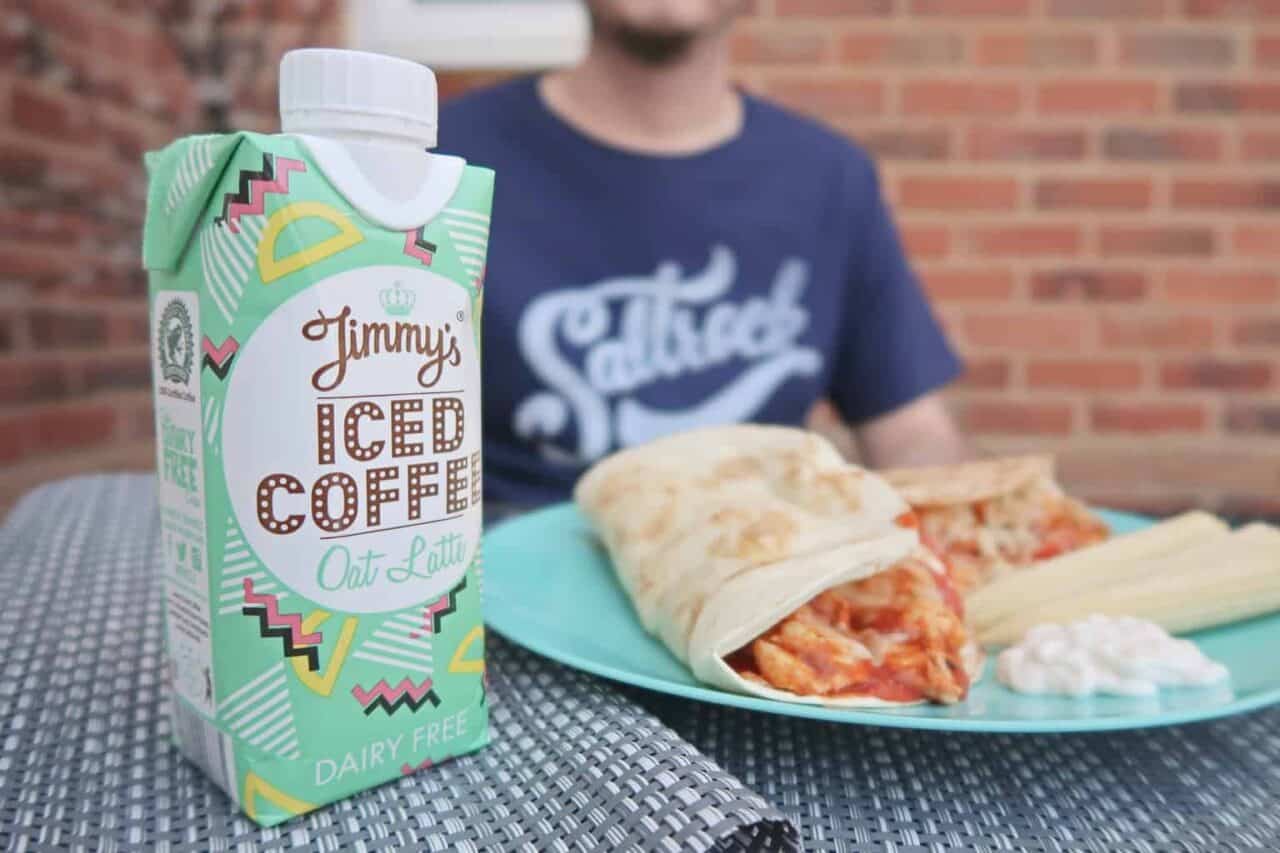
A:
<point x="970" y="482"/>
<point x="1006" y="499"/>
<point x="717" y="534"/>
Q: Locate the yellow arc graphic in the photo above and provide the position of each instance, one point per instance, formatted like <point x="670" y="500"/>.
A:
<point x="457" y="664"/>
<point x="322" y="683"/>
<point x="255" y="786"/>
<point x="271" y="268"/>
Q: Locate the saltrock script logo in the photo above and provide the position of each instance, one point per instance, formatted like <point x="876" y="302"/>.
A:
<point x="175" y="343"/>
<point x="354" y="340"/>
<point x="668" y="327"/>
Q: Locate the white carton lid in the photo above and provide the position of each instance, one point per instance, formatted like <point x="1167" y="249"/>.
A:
<point x="329" y="92"/>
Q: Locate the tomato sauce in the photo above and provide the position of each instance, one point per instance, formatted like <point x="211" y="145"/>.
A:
<point x="880" y="681"/>
<point x="742" y="661"/>
<point x="882" y="684"/>
<point x="1063" y="533"/>
<point x="948" y="590"/>
<point x="1058" y="530"/>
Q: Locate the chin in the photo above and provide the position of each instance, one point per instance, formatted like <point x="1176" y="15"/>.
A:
<point x="665" y="18"/>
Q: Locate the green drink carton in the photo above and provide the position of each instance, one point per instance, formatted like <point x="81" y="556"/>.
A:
<point x="315" y="310"/>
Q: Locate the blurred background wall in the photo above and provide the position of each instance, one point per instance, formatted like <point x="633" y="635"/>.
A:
<point x="1090" y="190"/>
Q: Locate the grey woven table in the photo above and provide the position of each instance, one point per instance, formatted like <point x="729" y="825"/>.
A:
<point x="1206" y="787"/>
<point x="86" y="763"/>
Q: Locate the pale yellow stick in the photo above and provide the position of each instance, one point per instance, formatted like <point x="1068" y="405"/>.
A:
<point x="1113" y="561"/>
<point x="1232" y="578"/>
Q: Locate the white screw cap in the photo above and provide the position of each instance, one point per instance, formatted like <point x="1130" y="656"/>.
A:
<point x="329" y="92"/>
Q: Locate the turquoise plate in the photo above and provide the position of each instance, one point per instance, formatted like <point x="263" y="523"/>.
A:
<point x="550" y="588"/>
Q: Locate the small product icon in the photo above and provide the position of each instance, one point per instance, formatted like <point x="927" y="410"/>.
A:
<point x="176" y="342"/>
<point x="397" y="301"/>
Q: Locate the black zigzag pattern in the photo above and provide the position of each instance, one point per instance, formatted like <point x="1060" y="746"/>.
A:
<point x="438" y="616"/>
<point x="284" y="632"/>
<point x="241" y="195"/>
<point x="420" y="240"/>
<point x="405" y="700"/>
<point x="219" y="371"/>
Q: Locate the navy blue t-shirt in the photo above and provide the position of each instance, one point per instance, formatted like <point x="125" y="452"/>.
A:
<point x="629" y="296"/>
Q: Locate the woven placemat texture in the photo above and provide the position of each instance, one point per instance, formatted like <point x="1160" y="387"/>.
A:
<point x="1205" y="787"/>
<point x="86" y="762"/>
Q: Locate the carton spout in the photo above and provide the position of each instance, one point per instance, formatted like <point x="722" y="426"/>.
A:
<point x="369" y="120"/>
<point x="352" y="94"/>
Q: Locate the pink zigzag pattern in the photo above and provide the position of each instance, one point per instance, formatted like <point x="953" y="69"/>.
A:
<point x="275" y="618"/>
<point x="413" y="250"/>
<point x="219" y="354"/>
<point x="390" y="694"/>
<point x="428" y="615"/>
<point x="407" y="768"/>
<point x="258" y="190"/>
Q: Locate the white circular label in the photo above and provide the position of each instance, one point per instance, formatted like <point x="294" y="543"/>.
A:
<point x="351" y="439"/>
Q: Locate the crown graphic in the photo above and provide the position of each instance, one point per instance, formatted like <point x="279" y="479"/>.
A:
<point x="397" y="302"/>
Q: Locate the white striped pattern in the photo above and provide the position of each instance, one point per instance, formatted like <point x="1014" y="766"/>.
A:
<point x="470" y="234"/>
<point x="482" y="218"/>
<point x="228" y="259"/>
<point x="259" y="713"/>
<point x="193" y="167"/>
<point x="470" y="228"/>
<point x="399" y="642"/>
<point x="212" y="421"/>
<point x="237" y="564"/>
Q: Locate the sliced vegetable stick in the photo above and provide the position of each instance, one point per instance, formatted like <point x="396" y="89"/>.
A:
<point x="1231" y="578"/>
<point x="1110" y="562"/>
<point x="1195" y="606"/>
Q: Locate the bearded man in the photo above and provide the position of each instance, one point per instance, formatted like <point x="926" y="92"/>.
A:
<point x="668" y="252"/>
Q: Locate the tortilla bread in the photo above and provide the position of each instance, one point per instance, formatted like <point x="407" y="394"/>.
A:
<point x="719" y="533"/>
<point x="968" y="482"/>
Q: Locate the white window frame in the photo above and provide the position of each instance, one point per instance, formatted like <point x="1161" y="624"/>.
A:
<point x="471" y="34"/>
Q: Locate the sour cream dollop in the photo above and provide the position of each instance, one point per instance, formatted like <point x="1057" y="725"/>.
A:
<point x="1120" y="656"/>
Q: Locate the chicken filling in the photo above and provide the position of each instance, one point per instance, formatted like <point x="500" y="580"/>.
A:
<point x="898" y="635"/>
<point x="981" y="540"/>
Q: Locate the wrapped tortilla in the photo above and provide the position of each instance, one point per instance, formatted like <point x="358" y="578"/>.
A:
<point x="989" y="517"/>
<point x="750" y="551"/>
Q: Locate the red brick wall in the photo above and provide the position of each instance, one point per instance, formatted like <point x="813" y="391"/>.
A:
<point x="85" y="88"/>
<point x="1090" y="190"/>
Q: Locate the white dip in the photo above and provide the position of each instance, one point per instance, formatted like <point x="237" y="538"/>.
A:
<point x="1122" y="656"/>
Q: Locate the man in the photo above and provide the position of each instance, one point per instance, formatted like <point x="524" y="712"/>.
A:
<point x="668" y="252"/>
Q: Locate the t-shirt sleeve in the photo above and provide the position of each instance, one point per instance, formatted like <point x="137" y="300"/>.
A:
<point x="892" y="348"/>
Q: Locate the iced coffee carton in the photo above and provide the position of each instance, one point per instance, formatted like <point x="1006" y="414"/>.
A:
<point x="315" y="309"/>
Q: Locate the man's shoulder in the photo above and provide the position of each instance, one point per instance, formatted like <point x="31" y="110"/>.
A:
<point x="491" y="99"/>
<point x="809" y="138"/>
<point x="475" y="122"/>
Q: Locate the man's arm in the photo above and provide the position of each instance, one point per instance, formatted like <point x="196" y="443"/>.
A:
<point x="893" y="355"/>
<point x="920" y="433"/>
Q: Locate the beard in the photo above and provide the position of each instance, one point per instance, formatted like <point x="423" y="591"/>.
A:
<point x="651" y="47"/>
<point x="658" y="40"/>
